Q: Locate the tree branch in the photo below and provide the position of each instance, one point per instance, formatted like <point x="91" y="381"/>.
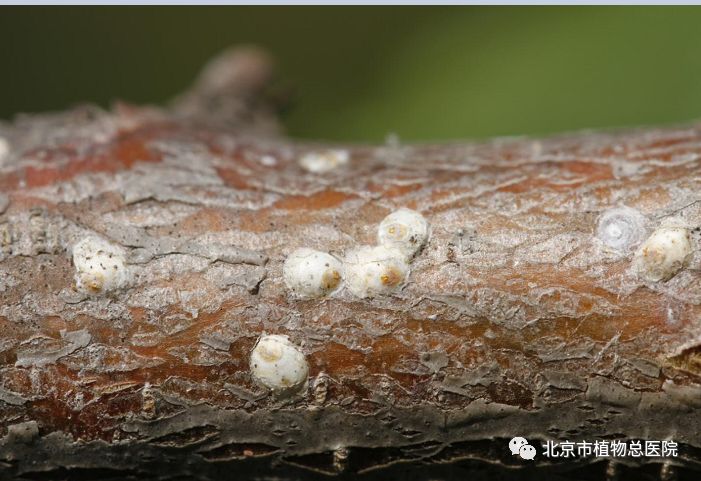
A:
<point x="524" y="314"/>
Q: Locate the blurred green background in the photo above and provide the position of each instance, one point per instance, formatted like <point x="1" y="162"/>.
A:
<point x="359" y="73"/>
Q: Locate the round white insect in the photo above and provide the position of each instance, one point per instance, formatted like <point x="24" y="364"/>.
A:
<point x="310" y="273"/>
<point x="278" y="364"/>
<point x="621" y="229"/>
<point x="404" y="230"/>
<point x="374" y="270"/>
<point x="324" y="161"/>
<point x="100" y="266"/>
<point x="663" y="254"/>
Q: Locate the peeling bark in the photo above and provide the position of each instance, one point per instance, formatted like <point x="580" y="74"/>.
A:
<point x="515" y="319"/>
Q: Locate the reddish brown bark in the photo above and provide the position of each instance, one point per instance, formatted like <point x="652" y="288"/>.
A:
<point x="515" y="320"/>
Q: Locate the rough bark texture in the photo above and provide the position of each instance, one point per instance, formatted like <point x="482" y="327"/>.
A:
<point x="515" y="320"/>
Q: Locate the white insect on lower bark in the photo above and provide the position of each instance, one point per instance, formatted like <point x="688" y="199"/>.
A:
<point x="278" y="364"/>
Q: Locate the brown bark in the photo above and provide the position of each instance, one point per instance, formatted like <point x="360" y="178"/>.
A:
<point x="514" y="319"/>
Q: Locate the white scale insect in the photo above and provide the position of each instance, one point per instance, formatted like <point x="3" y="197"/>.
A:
<point x="278" y="364"/>
<point x="324" y="161"/>
<point x="404" y="230"/>
<point x="663" y="254"/>
<point x="621" y="228"/>
<point x="310" y="273"/>
<point x="374" y="270"/>
<point x="100" y="266"/>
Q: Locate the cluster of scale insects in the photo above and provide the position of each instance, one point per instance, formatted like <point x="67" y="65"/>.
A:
<point x="376" y="270"/>
<point x="366" y="271"/>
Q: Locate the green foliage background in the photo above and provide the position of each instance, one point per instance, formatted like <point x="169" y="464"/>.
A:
<point x="358" y="73"/>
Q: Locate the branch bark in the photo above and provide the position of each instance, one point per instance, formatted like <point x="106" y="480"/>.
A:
<point x="515" y="319"/>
